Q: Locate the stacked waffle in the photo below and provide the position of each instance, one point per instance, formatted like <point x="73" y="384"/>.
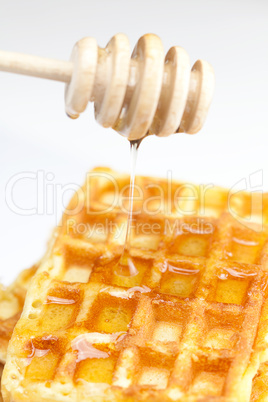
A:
<point x="11" y="304"/>
<point x="184" y="316"/>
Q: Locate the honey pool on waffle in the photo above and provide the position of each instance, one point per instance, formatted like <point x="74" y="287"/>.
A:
<point x="190" y="322"/>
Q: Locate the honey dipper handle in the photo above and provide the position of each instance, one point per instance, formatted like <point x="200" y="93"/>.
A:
<point x="41" y="67"/>
<point x="138" y="94"/>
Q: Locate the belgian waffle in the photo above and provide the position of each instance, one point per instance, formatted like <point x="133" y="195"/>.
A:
<point x="1" y="370"/>
<point x="11" y="304"/>
<point x="190" y="324"/>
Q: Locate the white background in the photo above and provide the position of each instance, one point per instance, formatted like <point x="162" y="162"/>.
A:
<point x="36" y="135"/>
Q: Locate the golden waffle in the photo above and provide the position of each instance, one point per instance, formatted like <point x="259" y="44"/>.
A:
<point x="190" y="325"/>
<point x="1" y="370"/>
<point x="11" y="304"/>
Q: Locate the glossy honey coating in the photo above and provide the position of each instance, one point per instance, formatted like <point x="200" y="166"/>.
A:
<point x="189" y="323"/>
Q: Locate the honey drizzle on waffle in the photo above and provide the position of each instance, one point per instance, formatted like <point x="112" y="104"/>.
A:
<point x="191" y="326"/>
<point x="126" y="266"/>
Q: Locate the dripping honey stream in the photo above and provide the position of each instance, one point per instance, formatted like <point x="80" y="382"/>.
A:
<point x="126" y="266"/>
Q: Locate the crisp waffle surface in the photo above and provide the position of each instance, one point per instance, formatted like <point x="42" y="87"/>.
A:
<point x="1" y="370"/>
<point x="11" y="304"/>
<point x="189" y="324"/>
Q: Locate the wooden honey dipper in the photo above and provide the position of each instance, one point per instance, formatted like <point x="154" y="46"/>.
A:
<point x="145" y="94"/>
